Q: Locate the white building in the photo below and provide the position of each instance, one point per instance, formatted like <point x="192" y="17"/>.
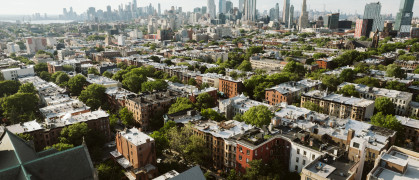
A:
<point x="15" y="73"/>
<point x="121" y="40"/>
<point x="12" y="48"/>
<point x="35" y="44"/>
<point x="301" y="155"/>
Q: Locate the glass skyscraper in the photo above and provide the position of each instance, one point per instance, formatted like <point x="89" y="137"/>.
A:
<point x="404" y="16"/>
<point x="373" y="11"/>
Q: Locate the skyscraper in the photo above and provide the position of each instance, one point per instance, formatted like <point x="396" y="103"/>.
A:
<point x="276" y="17"/>
<point x="221" y="6"/>
<point x="241" y="5"/>
<point x="373" y="11"/>
<point x="159" y="9"/>
<point x="250" y="10"/>
<point x="211" y="8"/>
<point x="332" y="21"/>
<point x="229" y="6"/>
<point x="303" y="21"/>
<point x="404" y="16"/>
<point x="291" y="17"/>
<point x="285" y="12"/>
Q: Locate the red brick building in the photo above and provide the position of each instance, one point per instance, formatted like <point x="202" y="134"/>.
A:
<point x="324" y="63"/>
<point x="231" y="88"/>
<point x="136" y="153"/>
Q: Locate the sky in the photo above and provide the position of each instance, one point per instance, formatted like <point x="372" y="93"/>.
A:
<point x="54" y="7"/>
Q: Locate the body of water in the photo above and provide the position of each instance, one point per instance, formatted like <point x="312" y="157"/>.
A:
<point x="41" y="21"/>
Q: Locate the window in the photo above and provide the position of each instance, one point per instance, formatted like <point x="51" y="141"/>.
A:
<point x="305" y="153"/>
<point x="248" y="152"/>
<point x="256" y="152"/>
<point x="240" y="149"/>
<point x="373" y="155"/>
<point x="313" y="157"/>
<point x="298" y="151"/>
<point x="297" y="159"/>
<point x="304" y="162"/>
<point x="240" y="157"/>
<point x="355" y="145"/>
<point x="247" y="160"/>
<point x="296" y="168"/>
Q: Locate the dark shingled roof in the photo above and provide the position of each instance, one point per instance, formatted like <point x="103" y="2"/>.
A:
<point x="194" y="173"/>
<point x="20" y="161"/>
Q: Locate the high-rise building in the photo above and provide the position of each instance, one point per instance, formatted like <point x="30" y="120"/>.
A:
<point x="276" y="17"/>
<point x="332" y="21"/>
<point x="241" y="5"/>
<point x="159" y="9"/>
<point x="291" y="17"/>
<point x="363" y="27"/>
<point x="303" y="21"/>
<point x="286" y="11"/>
<point x="250" y="10"/>
<point x="211" y="8"/>
<point x="204" y="10"/>
<point x="229" y="6"/>
<point x="221" y="6"/>
<point x="404" y="16"/>
<point x="373" y="11"/>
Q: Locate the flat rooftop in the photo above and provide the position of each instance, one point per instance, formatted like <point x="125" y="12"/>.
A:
<point x="329" y="168"/>
<point x="135" y="136"/>
<point x="404" y="158"/>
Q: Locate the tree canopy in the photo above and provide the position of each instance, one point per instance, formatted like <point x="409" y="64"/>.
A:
<point x="181" y="104"/>
<point x="76" y="84"/>
<point x="204" y="101"/>
<point x="94" y="96"/>
<point x="27" y="88"/>
<point x="258" y="116"/>
<point x="384" y="105"/>
<point x="349" y="90"/>
<point x="395" y="71"/>
<point x="20" y="107"/>
<point x="126" y="116"/>
<point x="212" y="114"/>
<point x="157" y="85"/>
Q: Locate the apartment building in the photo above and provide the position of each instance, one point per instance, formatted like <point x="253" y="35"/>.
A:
<point x="411" y="130"/>
<point x="268" y="64"/>
<point x="193" y="92"/>
<point x="400" y="99"/>
<point x="136" y="153"/>
<point x="328" y="167"/>
<point x="408" y="66"/>
<point x="325" y="63"/>
<point x="340" y="106"/>
<point x="104" y="81"/>
<point x="146" y="105"/>
<point x="229" y="87"/>
<point x="20" y="72"/>
<point x="396" y="163"/>
<point x="238" y="105"/>
<point x="290" y="91"/>
<point x="212" y="79"/>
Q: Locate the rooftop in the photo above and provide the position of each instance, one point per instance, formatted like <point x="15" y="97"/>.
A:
<point x="136" y="137"/>
<point x="413" y="123"/>
<point x="380" y="91"/>
<point x="353" y="101"/>
<point x="225" y="129"/>
<point x="328" y="167"/>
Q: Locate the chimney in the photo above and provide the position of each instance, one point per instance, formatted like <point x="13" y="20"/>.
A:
<point x="351" y="134"/>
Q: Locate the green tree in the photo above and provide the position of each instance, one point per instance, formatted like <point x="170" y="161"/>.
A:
<point x="312" y="106"/>
<point x="26" y="137"/>
<point x="319" y="55"/>
<point x="192" y="82"/>
<point x="68" y="68"/>
<point x="126" y="116"/>
<point x="122" y="65"/>
<point x="74" y="134"/>
<point x="27" y="88"/>
<point x="76" y="84"/>
<point x="94" y="96"/>
<point x="133" y="82"/>
<point x="212" y="114"/>
<point x="20" y="107"/>
<point x="161" y="140"/>
<point x="295" y="67"/>
<point x="368" y="81"/>
<point x="180" y="105"/>
<point x="255" y="170"/>
<point x="157" y="85"/>
<point x="62" y="79"/>
<point x="175" y="79"/>
<point x="232" y="175"/>
<point x="245" y="66"/>
<point x="390" y="122"/>
<point x="384" y="105"/>
<point x="395" y="71"/>
<point x="45" y="75"/>
<point x="347" y="75"/>
<point x="349" y="90"/>
<point x="205" y="101"/>
<point x="41" y="67"/>
<point x="107" y="74"/>
<point x="93" y="71"/>
<point x="110" y="170"/>
<point x="9" y="87"/>
<point x="331" y="82"/>
<point x="396" y="85"/>
<point x="60" y="146"/>
<point x="258" y="116"/>
<point x="55" y="75"/>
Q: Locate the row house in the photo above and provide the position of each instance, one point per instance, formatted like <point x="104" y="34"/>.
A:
<point x="230" y="87"/>
<point x="290" y="91"/>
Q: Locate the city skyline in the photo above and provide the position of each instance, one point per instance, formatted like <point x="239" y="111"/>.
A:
<point x="79" y="6"/>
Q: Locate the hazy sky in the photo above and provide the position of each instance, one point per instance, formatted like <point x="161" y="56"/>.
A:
<point x="55" y="6"/>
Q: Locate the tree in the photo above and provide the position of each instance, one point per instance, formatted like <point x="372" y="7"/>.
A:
<point x="395" y="71"/>
<point x="76" y="84"/>
<point x="319" y="55"/>
<point x="62" y="79"/>
<point x="68" y="68"/>
<point x="368" y="81"/>
<point x="347" y="75"/>
<point x="258" y="116"/>
<point x="41" y="67"/>
<point x="349" y="90"/>
<point x="396" y="85"/>
<point x="9" y="87"/>
<point x="255" y="170"/>
<point x="312" y="106"/>
<point x="113" y="120"/>
<point x="331" y="82"/>
<point x="107" y="74"/>
<point x="55" y="75"/>
<point x="26" y="137"/>
<point x="74" y="134"/>
<point x="94" y="96"/>
<point x="390" y="122"/>
<point x="20" y="107"/>
<point x="232" y="175"/>
<point x="45" y="75"/>
<point x="122" y="65"/>
<point x="245" y="66"/>
<point x="192" y="82"/>
<point x="60" y="146"/>
<point x="155" y="59"/>
<point x="133" y="82"/>
<point x="212" y="114"/>
<point x="295" y="67"/>
<point x="93" y="71"/>
<point x="175" y="79"/>
<point x="180" y="105"/>
<point x="161" y="140"/>
<point x="384" y="105"/>
<point x="204" y="101"/>
<point x="110" y="170"/>
<point x="157" y="85"/>
<point x="126" y="116"/>
<point x="27" y="88"/>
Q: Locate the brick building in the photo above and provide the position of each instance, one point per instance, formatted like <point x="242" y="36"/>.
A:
<point x="290" y="91"/>
<point x="230" y="88"/>
<point x="136" y="153"/>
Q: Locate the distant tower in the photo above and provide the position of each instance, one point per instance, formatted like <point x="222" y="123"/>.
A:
<point x="211" y="8"/>
<point x="250" y="10"/>
<point x="159" y="10"/>
<point x="373" y="11"/>
<point x="291" y="19"/>
<point x="404" y="16"/>
<point x="277" y="12"/>
<point x="285" y="12"/>
<point x="303" y="21"/>
<point x="222" y="6"/>
<point x="375" y="39"/>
